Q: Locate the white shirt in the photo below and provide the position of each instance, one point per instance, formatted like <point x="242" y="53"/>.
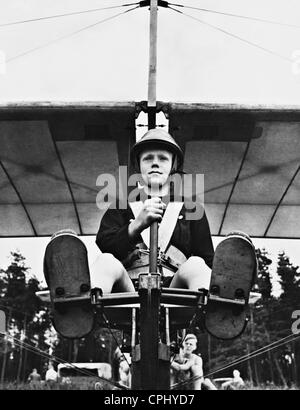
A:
<point x="51" y="375"/>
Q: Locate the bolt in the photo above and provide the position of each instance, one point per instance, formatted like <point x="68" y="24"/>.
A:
<point x="215" y="289"/>
<point x="239" y="293"/>
<point x="60" y="291"/>
<point x="84" y="288"/>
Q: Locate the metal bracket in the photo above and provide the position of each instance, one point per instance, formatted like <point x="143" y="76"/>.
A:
<point x="160" y="3"/>
<point x="136" y="353"/>
<point x="142" y="106"/>
<point x="202" y="297"/>
<point x="164" y="352"/>
<point x="96" y="296"/>
<point x="149" y="281"/>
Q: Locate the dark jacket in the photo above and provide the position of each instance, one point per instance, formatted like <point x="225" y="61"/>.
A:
<point x="192" y="237"/>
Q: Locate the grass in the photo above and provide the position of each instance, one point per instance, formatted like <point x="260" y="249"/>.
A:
<point x="74" y="385"/>
<point x="77" y="384"/>
<point x="269" y="386"/>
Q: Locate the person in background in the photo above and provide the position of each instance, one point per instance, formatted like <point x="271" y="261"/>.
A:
<point x="235" y="383"/>
<point x="51" y="375"/>
<point x="34" y="378"/>
<point x="190" y="365"/>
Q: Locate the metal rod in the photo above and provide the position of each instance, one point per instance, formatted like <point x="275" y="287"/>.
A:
<point x="133" y="333"/>
<point x="152" y="54"/>
<point x="168" y="342"/>
<point x="150" y="294"/>
<point x="107" y="299"/>
<point x="184" y="300"/>
<point x="153" y="248"/>
<point x="179" y="291"/>
<point x="152" y="118"/>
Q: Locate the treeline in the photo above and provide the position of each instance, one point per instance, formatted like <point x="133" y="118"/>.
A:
<point x="268" y="352"/>
<point x="31" y="341"/>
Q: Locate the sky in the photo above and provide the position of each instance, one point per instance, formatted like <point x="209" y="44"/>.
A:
<point x="109" y="62"/>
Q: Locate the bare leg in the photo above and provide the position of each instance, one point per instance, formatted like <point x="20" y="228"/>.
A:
<point x="209" y="384"/>
<point x="197" y="372"/>
<point x="193" y="274"/>
<point x="109" y="274"/>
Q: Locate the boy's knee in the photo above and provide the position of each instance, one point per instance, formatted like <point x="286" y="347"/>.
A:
<point x="192" y="264"/>
<point x="108" y="257"/>
<point x="111" y="263"/>
<point x="110" y="260"/>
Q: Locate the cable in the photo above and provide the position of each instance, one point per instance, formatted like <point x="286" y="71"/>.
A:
<point x="256" y="353"/>
<point x="115" y="339"/>
<point x="41" y="353"/>
<point x="44" y="354"/>
<point x="69" y="35"/>
<point x="236" y="15"/>
<point x="64" y="15"/>
<point x="235" y="36"/>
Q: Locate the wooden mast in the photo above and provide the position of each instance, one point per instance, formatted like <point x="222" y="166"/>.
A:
<point x="152" y="65"/>
<point x="152" y="367"/>
<point x="152" y="114"/>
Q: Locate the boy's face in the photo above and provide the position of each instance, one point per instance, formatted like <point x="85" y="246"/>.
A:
<point x="189" y="346"/>
<point x="155" y="166"/>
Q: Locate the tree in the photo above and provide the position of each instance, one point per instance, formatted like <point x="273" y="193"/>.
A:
<point x="29" y="319"/>
<point x="289" y="301"/>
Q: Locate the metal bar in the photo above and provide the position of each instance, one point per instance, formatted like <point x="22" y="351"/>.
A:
<point x="149" y="287"/>
<point x="168" y="342"/>
<point x="153" y="255"/>
<point x="133" y="330"/>
<point x="179" y="299"/>
<point x="152" y="118"/>
<point x="179" y="291"/>
<point x="280" y="201"/>
<point x="20" y="198"/>
<point x="108" y="299"/>
<point x="240" y="302"/>
<point x="151" y="106"/>
<point x="152" y="54"/>
<point x="149" y="291"/>
<point x="68" y="183"/>
<point x="233" y="186"/>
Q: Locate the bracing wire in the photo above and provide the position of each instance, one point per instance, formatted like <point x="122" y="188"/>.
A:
<point x="65" y="15"/>
<point x="52" y="357"/>
<point x="246" y="357"/>
<point x="69" y="35"/>
<point x="242" y="359"/>
<point x="44" y="354"/>
<point x="278" y="23"/>
<point x="115" y="339"/>
<point x="255" y="353"/>
<point x="228" y="33"/>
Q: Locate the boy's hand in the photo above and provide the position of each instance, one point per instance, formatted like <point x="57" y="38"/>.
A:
<point x="152" y="211"/>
